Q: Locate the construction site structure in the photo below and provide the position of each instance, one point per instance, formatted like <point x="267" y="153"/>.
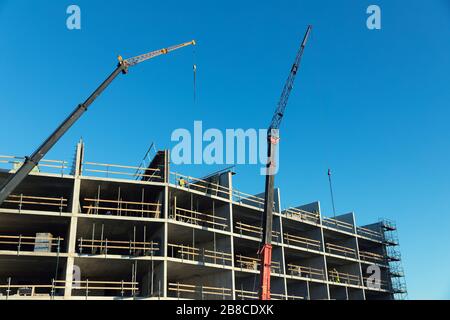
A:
<point x="90" y="230"/>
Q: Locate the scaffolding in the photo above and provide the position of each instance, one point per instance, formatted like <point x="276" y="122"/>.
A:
<point x="396" y="272"/>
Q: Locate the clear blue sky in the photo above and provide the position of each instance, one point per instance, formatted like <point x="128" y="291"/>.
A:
<point x="372" y="105"/>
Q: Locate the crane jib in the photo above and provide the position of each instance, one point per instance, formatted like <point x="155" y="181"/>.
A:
<point x="16" y="178"/>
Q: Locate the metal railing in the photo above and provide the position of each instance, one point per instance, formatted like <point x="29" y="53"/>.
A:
<point x="302" y="215"/>
<point x="27" y="202"/>
<point x="199" y="218"/>
<point x="337" y="224"/>
<point x="105" y="246"/>
<point x="122" y="287"/>
<point x="297" y="241"/>
<point x="343" y="278"/>
<point x="108" y="170"/>
<point x="56" y="288"/>
<point x="253" y="295"/>
<point x="371" y="234"/>
<point x="45" y="165"/>
<point x="199" y="185"/>
<point x="248" y="199"/>
<point x="306" y="272"/>
<point x="251" y="263"/>
<point x="254" y="231"/>
<point x="122" y="208"/>
<point x="340" y="250"/>
<point x="27" y="243"/>
<point x="183" y="290"/>
<point x="184" y="252"/>
<point x="372" y="257"/>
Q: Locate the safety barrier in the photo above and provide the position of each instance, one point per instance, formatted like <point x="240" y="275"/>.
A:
<point x="290" y="239"/>
<point x="108" y="170"/>
<point x="105" y="246"/>
<point x="340" y="250"/>
<point x="200" y="291"/>
<point x="189" y="253"/>
<point x="306" y="272"/>
<point x="122" y="208"/>
<point x="199" y="218"/>
<point x="250" y="263"/>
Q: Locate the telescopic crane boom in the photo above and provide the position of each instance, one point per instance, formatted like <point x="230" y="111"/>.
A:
<point x="272" y="141"/>
<point x="30" y="162"/>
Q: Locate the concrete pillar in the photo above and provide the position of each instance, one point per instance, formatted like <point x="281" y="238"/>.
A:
<point x="164" y="284"/>
<point x="73" y="222"/>
<point x="323" y="251"/>
<point x="230" y="198"/>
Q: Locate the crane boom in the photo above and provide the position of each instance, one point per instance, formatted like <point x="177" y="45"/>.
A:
<point x="138" y="59"/>
<point x="279" y="112"/>
<point x="30" y="162"/>
<point x="272" y="141"/>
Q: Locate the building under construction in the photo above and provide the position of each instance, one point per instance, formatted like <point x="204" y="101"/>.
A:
<point x="90" y="230"/>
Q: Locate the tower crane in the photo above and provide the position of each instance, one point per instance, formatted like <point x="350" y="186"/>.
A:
<point x="30" y="162"/>
<point x="272" y="143"/>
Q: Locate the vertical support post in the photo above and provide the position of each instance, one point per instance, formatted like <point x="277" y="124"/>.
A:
<point x="145" y="239"/>
<point x="93" y="236"/>
<point x="20" y="203"/>
<point x="97" y="203"/>
<point x="119" y="205"/>
<point x="101" y="238"/>
<point x="8" y="289"/>
<point x="308" y="291"/>
<point x="75" y="209"/>
<point x="142" y="203"/>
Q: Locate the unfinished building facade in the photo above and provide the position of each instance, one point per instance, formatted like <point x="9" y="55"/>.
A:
<point x="105" y="231"/>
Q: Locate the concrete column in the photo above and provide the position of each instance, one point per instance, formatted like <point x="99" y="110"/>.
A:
<point x="164" y="285"/>
<point x="73" y="222"/>
<point x="323" y="252"/>
<point x="283" y="259"/>
<point x="230" y="198"/>
<point x="358" y="257"/>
